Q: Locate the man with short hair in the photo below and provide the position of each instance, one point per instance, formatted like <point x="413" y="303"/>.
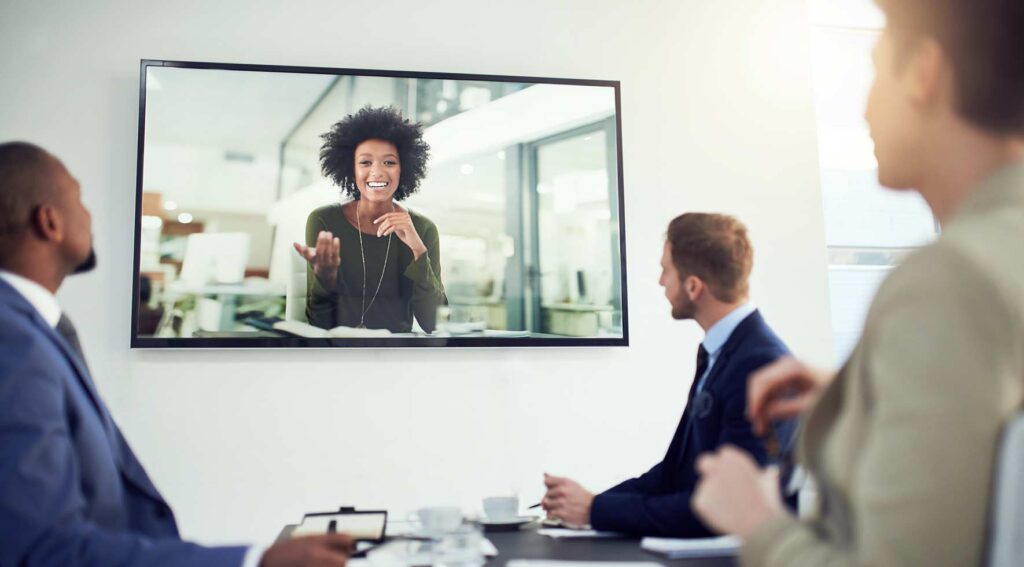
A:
<point x="705" y="267"/>
<point x="72" y="492"/>
<point x="903" y="440"/>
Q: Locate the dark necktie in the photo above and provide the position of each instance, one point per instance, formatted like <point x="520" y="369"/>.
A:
<point x="123" y="453"/>
<point x="67" y="331"/>
<point x="702" y="366"/>
<point x="681" y="442"/>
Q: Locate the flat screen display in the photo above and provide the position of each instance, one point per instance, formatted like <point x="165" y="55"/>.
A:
<point x="319" y="207"/>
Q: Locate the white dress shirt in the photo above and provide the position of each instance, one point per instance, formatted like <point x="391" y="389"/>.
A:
<point x="37" y="295"/>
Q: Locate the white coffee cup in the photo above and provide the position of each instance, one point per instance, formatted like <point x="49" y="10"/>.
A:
<point x="501" y="508"/>
<point x="439" y="519"/>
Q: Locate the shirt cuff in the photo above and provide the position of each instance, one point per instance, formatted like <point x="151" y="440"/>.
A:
<point x="253" y="555"/>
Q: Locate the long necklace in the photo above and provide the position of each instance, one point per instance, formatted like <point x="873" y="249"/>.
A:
<point x="362" y="253"/>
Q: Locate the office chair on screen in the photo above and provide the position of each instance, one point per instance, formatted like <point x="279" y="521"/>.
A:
<point x="1006" y="547"/>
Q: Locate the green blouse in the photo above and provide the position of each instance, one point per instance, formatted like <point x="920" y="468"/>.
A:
<point x="409" y="288"/>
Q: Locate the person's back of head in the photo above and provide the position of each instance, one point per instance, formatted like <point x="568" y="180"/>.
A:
<point x="984" y="43"/>
<point x="26" y="181"/>
<point x="45" y="228"/>
<point x="946" y="108"/>
<point x="714" y="248"/>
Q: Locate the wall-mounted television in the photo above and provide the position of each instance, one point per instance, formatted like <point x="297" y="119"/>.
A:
<point x="281" y="206"/>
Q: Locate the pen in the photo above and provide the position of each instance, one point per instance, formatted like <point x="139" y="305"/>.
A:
<point x="537" y="505"/>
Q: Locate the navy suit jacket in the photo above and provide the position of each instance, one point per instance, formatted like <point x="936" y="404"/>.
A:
<point x="72" y="492"/>
<point x="658" y="502"/>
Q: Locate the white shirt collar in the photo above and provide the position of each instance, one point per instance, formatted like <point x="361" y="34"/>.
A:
<point x="720" y="332"/>
<point x="37" y="296"/>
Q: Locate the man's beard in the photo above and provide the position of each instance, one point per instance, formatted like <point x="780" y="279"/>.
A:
<point x="685" y="311"/>
<point x="88" y="264"/>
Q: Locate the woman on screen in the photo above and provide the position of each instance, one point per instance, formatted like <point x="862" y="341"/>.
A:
<point x="372" y="262"/>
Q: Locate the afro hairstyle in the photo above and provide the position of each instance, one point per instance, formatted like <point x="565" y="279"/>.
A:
<point x="337" y="156"/>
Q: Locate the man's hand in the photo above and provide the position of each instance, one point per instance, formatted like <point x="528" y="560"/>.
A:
<point x="330" y="550"/>
<point x="784" y="389"/>
<point x="567" y="501"/>
<point x="733" y="496"/>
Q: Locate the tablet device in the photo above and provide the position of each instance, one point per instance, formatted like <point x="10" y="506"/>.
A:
<point x="367" y="525"/>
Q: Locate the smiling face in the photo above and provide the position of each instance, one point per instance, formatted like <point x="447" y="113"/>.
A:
<point x="377" y="170"/>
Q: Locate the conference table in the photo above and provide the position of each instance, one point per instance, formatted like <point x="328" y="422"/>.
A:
<point x="526" y="543"/>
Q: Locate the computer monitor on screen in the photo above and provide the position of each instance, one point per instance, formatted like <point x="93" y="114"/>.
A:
<point x="215" y="258"/>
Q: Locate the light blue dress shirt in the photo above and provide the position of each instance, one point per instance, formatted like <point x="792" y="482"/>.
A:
<point x="719" y="334"/>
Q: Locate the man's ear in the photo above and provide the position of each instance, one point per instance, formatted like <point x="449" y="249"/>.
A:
<point x="47" y="223"/>
<point x="693" y="286"/>
<point x="929" y="72"/>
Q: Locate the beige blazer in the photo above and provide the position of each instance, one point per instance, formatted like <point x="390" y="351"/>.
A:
<point x="902" y="444"/>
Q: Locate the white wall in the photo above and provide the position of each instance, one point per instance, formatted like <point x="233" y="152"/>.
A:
<point x="717" y="115"/>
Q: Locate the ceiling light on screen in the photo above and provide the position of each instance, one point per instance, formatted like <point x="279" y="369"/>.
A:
<point x="184" y="218"/>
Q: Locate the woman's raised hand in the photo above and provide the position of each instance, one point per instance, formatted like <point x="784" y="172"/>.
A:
<point x="325" y="257"/>
<point x="781" y="390"/>
<point x="400" y="223"/>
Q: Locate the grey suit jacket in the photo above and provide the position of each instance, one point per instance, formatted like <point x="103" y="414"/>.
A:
<point x="903" y="443"/>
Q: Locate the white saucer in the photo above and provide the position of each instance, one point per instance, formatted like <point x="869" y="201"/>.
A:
<point x="506" y="524"/>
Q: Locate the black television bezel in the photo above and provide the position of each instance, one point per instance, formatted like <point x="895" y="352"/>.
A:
<point x="382" y="342"/>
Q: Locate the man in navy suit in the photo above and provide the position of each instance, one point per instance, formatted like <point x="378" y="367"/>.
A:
<point x="705" y="266"/>
<point x="72" y="492"/>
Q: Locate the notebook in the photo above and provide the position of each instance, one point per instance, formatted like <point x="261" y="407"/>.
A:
<point x="723" y="546"/>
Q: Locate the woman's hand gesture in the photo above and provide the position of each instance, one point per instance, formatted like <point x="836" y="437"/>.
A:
<point x="325" y="257"/>
<point x="784" y="389"/>
<point x="400" y="223"/>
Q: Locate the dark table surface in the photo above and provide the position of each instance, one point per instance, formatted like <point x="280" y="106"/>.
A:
<point x="528" y="544"/>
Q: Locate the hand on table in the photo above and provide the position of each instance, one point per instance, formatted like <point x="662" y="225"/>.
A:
<point x="734" y="496"/>
<point x="330" y="550"/>
<point x="567" y="501"/>
<point x="325" y="257"/>
<point x="400" y="223"/>
<point x="781" y="390"/>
